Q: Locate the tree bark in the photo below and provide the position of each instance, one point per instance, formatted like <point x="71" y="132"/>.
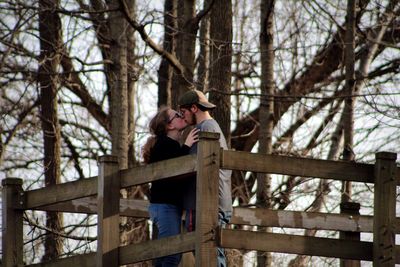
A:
<point x="118" y="78"/>
<point x="165" y="71"/>
<point x="204" y="56"/>
<point x="185" y="48"/>
<point x="348" y="122"/>
<point x="266" y="110"/>
<point x="50" y="45"/>
<point x="220" y="64"/>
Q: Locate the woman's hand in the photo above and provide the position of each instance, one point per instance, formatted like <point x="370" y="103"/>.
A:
<point x="192" y="137"/>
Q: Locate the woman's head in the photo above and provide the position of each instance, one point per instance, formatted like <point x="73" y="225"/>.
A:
<point x="166" y="120"/>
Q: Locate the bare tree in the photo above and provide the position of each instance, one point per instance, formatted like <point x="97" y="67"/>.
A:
<point x="50" y="44"/>
<point x="119" y="85"/>
<point x="220" y="63"/>
<point x="169" y="42"/>
<point x="203" y="59"/>
<point x="348" y="110"/>
<point x="185" y="48"/>
<point x="266" y="109"/>
<point x="348" y="122"/>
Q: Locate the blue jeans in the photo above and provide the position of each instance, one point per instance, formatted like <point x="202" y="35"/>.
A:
<point x="167" y="218"/>
<point x="223" y="218"/>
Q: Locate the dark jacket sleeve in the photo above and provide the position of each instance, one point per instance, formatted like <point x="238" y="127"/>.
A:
<point x="166" y="148"/>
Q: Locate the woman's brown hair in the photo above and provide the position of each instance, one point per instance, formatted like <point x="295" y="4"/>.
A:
<point x="158" y="127"/>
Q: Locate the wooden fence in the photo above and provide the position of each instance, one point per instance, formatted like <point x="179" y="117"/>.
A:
<point x="101" y="195"/>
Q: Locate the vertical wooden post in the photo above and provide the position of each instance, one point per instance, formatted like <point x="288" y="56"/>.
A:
<point x="208" y="154"/>
<point x="12" y="232"/>
<point x="350" y="208"/>
<point x="384" y="253"/>
<point x="108" y="187"/>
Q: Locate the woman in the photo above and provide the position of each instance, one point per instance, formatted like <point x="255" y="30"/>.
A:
<point x="166" y="195"/>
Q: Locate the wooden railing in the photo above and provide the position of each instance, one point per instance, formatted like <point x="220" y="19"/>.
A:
<point x="100" y="195"/>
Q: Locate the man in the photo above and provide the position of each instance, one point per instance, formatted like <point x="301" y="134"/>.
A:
<point x="195" y="108"/>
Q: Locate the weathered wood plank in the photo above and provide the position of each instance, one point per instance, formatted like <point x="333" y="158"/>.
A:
<point x="339" y="170"/>
<point x="60" y="192"/>
<point x="156" y="248"/>
<point x="303" y="220"/>
<point x="128" y="207"/>
<point x="292" y="244"/>
<point x="108" y="188"/>
<point x="134" y="208"/>
<point x="350" y="209"/>
<point x="144" y="251"/>
<point x="158" y="170"/>
<point x="12" y="222"/>
<point x="208" y="151"/>
<point x="385" y="209"/>
<point x="87" y="260"/>
<point x="88" y="187"/>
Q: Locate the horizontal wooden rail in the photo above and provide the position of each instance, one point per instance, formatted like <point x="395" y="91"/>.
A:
<point x="87" y="260"/>
<point x="243" y="216"/>
<point x="339" y="170"/>
<point x="292" y="244"/>
<point x="128" y="207"/>
<point x="156" y="248"/>
<point x="186" y="165"/>
<point x="60" y="192"/>
<point x="304" y="220"/>
<point x="181" y="166"/>
<point x="157" y="171"/>
<point x="132" y="253"/>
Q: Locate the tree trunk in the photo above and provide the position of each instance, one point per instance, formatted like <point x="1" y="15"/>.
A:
<point x="50" y="43"/>
<point x="165" y="71"/>
<point x="185" y="48"/>
<point x="220" y="64"/>
<point x="119" y="85"/>
<point x="204" y="56"/>
<point x="125" y="78"/>
<point x="348" y="122"/>
<point x="348" y="113"/>
<point x="133" y="75"/>
<point x="266" y="110"/>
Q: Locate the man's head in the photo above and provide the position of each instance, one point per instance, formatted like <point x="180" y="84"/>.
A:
<point x="194" y="106"/>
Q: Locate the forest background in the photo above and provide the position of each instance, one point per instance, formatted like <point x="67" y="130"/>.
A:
<point x="81" y="78"/>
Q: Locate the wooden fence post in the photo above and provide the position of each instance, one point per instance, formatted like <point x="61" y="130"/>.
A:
<point x="350" y="208"/>
<point x="384" y="253"/>
<point x="208" y="155"/>
<point x="12" y="232"/>
<point x="108" y="187"/>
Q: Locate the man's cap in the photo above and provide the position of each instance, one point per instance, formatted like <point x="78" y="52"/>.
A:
<point x="195" y="97"/>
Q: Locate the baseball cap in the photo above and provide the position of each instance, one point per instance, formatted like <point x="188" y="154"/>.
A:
<point x="195" y="97"/>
